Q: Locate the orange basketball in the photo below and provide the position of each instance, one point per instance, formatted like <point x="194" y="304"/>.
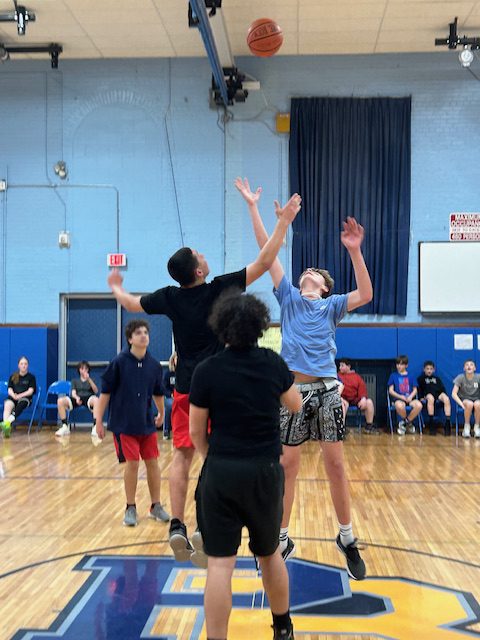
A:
<point x="264" y="37"/>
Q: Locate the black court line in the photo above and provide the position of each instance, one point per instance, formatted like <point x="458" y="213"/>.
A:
<point x="90" y="552"/>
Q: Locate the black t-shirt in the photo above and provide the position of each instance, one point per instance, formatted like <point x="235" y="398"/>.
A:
<point x="83" y="388"/>
<point x="24" y="383"/>
<point x="242" y="389"/>
<point x="429" y="384"/>
<point x="188" y="309"/>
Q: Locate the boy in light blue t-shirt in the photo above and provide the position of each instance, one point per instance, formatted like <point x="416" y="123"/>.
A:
<point x="309" y="316"/>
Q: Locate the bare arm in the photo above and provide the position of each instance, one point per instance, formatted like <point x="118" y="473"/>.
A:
<point x="25" y="394"/>
<point x="456" y="397"/>
<point x="413" y="394"/>
<point x="394" y="394"/>
<point x="127" y="300"/>
<point x="198" y="429"/>
<point x="292" y="399"/>
<point x="93" y="386"/>
<point x="98" y="413"/>
<point x="261" y="235"/>
<point x="352" y="238"/>
<point x="160" y="404"/>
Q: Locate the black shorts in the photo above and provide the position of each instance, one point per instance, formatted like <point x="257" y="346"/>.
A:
<point x="235" y="493"/>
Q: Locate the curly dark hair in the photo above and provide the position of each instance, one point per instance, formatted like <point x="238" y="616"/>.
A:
<point x="238" y="319"/>
<point x="133" y="325"/>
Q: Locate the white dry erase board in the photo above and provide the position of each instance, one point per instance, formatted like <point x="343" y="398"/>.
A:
<point x="449" y="277"/>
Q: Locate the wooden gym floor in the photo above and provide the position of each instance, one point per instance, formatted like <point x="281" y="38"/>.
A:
<point x="415" y="503"/>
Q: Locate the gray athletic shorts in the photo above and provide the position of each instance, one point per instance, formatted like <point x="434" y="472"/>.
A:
<point x="320" y="418"/>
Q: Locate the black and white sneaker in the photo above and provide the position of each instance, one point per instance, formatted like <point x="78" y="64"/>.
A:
<point x="355" y="565"/>
<point x="283" y="634"/>
<point x="289" y="550"/>
<point x="179" y="542"/>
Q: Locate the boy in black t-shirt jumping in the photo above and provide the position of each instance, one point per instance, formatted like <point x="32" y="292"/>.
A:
<point x="188" y="306"/>
<point x="242" y="480"/>
<point x="431" y="389"/>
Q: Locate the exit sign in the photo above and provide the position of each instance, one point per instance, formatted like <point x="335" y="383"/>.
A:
<point x="116" y="259"/>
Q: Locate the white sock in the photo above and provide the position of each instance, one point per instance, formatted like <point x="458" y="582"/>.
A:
<point x="10" y="419"/>
<point x="475" y="426"/>
<point x="283" y="538"/>
<point x="346" y="533"/>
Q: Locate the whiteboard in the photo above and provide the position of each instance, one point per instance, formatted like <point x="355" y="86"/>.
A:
<point x="449" y="277"/>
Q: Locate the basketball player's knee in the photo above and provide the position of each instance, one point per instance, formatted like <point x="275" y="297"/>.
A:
<point x="336" y="469"/>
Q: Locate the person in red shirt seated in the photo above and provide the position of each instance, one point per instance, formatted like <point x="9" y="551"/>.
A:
<point x="355" y="393"/>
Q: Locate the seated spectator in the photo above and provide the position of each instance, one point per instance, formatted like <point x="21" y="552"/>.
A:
<point x="466" y="393"/>
<point x="354" y="392"/>
<point x="21" y="389"/>
<point x="403" y="390"/>
<point x="431" y="389"/>
<point x="169" y="379"/>
<point x="83" y="394"/>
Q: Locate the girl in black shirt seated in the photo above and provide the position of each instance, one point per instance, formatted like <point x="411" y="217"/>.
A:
<point x="239" y="390"/>
<point x="21" y="388"/>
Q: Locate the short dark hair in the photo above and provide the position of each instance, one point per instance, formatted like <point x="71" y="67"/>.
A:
<point x="238" y="319"/>
<point x="465" y="362"/>
<point x="401" y="360"/>
<point x="346" y="361"/>
<point x="83" y="363"/>
<point x="133" y="325"/>
<point x="182" y="265"/>
<point x="429" y="363"/>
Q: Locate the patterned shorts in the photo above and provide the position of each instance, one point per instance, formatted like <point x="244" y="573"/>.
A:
<point x="320" y="418"/>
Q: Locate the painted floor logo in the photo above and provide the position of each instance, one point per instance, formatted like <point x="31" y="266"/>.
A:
<point x="135" y="597"/>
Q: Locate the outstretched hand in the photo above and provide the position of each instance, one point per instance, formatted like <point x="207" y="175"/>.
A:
<point x="290" y="210"/>
<point x="115" y="278"/>
<point x="352" y="234"/>
<point x="249" y="196"/>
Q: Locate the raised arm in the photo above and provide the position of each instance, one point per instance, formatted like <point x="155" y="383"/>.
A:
<point x="127" y="300"/>
<point x="290" y="210"/>
<point x="352" y="238"/>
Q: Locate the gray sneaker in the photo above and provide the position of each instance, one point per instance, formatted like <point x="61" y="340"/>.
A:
<point x="410" y="427"/>
<point x="130" y="517"/>
<point x="157" y="512"/>
<point x="401" y="429"/>
<point x="199" y="558"/>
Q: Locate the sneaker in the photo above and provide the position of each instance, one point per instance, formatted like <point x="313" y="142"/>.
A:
<point x="6" y="428"/>
<point x="355" y="564"/>
<point x="96" y="440"/>
<point x="401" y="429"/>
<point x="157" y="512"/>
<point x="410" y="427"/>
<point x="130" y="517"/>
<point x="466" y="431"/>
<point x="283" y="634"/>
<point x="289" y="550"/>
<point x="199" y="558"/>
<point x="371" y="429"/>
<point x="476" y="431"/>
<point x="179" y="542"/>
<point x="63" y="431"/>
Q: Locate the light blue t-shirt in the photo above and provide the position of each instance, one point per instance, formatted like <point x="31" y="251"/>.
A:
<point x="308" y="330"/>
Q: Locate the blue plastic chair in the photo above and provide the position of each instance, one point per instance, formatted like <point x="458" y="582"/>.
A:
<point x="3" y="391"/>
<point x="354" y="412"/>
<point x="392" y="414"/>
<point x="58" y="388"/>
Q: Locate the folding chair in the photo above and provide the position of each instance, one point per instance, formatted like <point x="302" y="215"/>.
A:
<point x="58" y="388"/>
<point x="34" y="405"/>
<point x="3" y="391"/>
<point x="392" y="414"/>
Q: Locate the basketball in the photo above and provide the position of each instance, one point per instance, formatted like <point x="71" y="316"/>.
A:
<point x="264" y="37"/>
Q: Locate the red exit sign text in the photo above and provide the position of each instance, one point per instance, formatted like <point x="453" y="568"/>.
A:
<point x="116" y="259"/>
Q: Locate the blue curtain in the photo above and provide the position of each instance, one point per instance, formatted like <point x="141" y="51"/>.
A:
<point x="351" y="157"/>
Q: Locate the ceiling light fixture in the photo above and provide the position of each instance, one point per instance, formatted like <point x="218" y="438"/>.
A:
<point x="22" y="16"/>
<point x="466" y="57"/>
<point x="453" y="40"/>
